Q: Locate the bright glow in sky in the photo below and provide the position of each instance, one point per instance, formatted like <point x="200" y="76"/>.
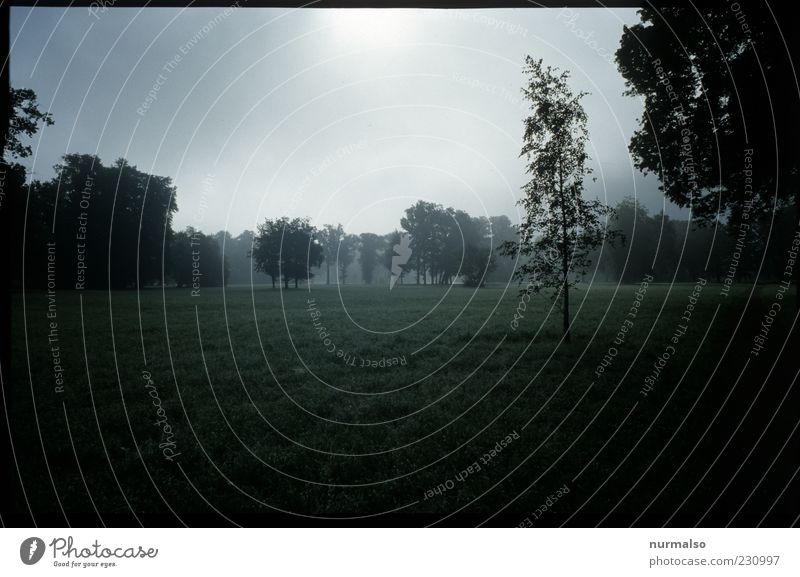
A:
<point x="339" y="115"/>
<point x="374" y="27"/>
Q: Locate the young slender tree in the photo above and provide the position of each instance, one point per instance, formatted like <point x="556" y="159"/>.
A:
<point x="560" y="228"/>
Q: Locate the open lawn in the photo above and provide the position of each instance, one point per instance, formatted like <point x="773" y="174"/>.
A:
<point x="432" y="403"/>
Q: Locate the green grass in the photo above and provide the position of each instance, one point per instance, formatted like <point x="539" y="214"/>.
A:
<point x="264" y="415"/>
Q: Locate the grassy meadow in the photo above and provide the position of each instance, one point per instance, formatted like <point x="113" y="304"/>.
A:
<point x="430" y="404"/>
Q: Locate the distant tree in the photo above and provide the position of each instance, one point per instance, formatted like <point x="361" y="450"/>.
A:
<point x="501" y="231"/>
<point x="287" y="250"/>
<point x="474" y="254"/>
<point x="345" y="255"/>
<point x="143" y="208"/>
<point x="180" y="258"/>
<point x="703" y="251"/>
<point x="419" y="223"/>
<point x="225" y="245"/>
<point x="461" y="232"/>
<point x="196" y="260"/>
<point x="443" y="235"/>
<point x="439" y="240"/>
<point x="117" y="219"/>
<point x="666" y="236"/>
<point x="560" y="227"/>
<point x="223" y="238"/>
<point x="634" y="258"/>
<point x="329" y="238"/>
<point x="478" y="263"/>
<point x="303" y="251"/>
<point x="371" y="245"/>
<point x="237" y="253"/>
<point x="392" y="256"/>
<point x="266" y="252"/>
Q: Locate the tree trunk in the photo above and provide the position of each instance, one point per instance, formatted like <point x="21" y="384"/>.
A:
<point x="273" y="282"/>
<point x="286" y="283"/>
<point x="328" y="270"/>
<point x="295" y="283"/>
<point x="567" y="337"/>
<point x="564" y="254"/>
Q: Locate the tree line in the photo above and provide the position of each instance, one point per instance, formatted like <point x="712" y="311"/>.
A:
<point x="113" y="228"/>
<point x="92" y="226"/>
<point x="445" y="246"/>
<point x="683" y="250"/>
<point x="97" y="226"/>
<point x="714" y="147"/>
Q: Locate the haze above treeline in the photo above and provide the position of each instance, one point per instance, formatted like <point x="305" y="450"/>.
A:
<point x="337" y="115"/>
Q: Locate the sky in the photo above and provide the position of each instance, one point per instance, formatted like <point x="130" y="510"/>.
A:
<point x="342" y="116"/>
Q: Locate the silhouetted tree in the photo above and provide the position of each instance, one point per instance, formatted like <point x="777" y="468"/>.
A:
<point x="719" y="127"/>
<point x="560" y="227"/>
<point x="196" y="260"/>
<point x="112" y="224"/>
<point x="24" y="119"/>
<point x="502" y="231"/>
<point x="287" y="250"/>
<point x="370" y="246"/>
<point x="266" y="252"/>
<point x="478" y="263"/>
<point x="345" y="255"/>
<point x="389" y="255"/>
<point x="634" y="258"/>
<point x="329" y="238"/>
<point x="460" y="231"/>
<point x="419" y="223"/>
<point x="236" y="250"/>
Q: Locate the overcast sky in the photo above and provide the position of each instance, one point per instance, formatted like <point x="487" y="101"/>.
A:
<point x="340" y="115"/>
